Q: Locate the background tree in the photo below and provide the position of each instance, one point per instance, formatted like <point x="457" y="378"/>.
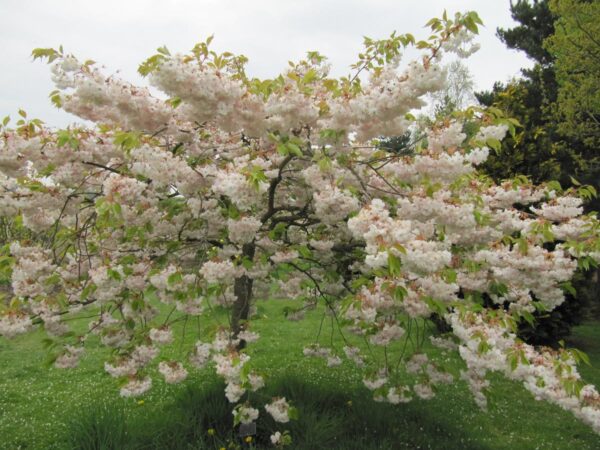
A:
<point x="457" y="94"/>
<point x="575" y="50"/>
<point x="536" y="150"/>
<point x="556" y="141"/>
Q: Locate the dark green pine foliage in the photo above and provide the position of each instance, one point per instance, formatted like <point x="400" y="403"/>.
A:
<point x="401" y="145"/>
<point x="537" y="150"/>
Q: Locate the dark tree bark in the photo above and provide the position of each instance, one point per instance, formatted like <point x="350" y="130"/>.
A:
<point x="242" y="289"/>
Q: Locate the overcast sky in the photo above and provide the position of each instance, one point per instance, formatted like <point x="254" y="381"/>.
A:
<point x="119" y="34"/>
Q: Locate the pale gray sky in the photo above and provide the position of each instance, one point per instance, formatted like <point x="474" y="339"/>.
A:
<point x="119" y="34"/>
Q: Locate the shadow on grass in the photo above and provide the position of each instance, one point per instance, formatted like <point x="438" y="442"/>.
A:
<point x="330" y="418"/>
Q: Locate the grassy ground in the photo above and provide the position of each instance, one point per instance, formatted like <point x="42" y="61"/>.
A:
<point x="47" y="408"/>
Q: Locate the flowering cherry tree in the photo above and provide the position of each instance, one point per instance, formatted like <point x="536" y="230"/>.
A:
<point x="235" y="185"/>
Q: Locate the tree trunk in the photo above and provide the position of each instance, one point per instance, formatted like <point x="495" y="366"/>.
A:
<point x="242" y="289"/>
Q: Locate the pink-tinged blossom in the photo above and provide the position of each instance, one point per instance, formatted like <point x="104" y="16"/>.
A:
<point x="136" y="387"/>
<point x="560" y="209"/>
<point x="387" y="334"/>
<point x="256" y="381"/>
<point x="491" y="132"/>
<point x="276" y="438"/>
<point x="14" y="324"/>
<point x="173" y="371"/>
<point x="243" y="230"/>
<point x="234" y="392"/>
<point x="333" y="205"/>
<point x="201" y="354"/>
<point x="375" y="383"/>
<point x="424" y="391"/>
<point x="353" y="354"/>
<point x="161" y="336"/>
<point x="397" y="395"/>
<point x="284" y="256"/>
<point x="245" y="414"/>
<point x="121" y="368"/>
<point x="218" y="271"/>
<point x="69" y="358"/>
<point x="279" y="410"/>
<point x="144" y="354"/>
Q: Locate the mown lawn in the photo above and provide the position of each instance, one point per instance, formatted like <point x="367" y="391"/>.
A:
<point x="47" y="408"/>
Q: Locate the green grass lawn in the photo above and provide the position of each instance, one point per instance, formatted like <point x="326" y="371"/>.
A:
<point x="47" y="408"/>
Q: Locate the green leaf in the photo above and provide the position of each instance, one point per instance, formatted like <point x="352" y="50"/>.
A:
<point x="233" y="212"/>
<point x="151" y="64"/>
<point x="293" y="149"/>
<point x="528" y="317"/>
<point x="115" y="275"/>
<point x="175" y="102"/>
<point x="435" y="305"/>
<point x="494" y="144"/>
<point x="116" y="208"/>
<point x="522" y="245"/>
<point x="47" y="170"/>
<point x="56" y="99"/>
<point x="400" y="293"/>
<point x="568" y="287"/>
<point x="283" y="149"/>
<point x="394" y="264"/>
<point x="127" y="140"/>
<point x="163" y="50"/>
<point x="483" y="347"/>
<point x="499" y="289"/>
<point x="581" y="356"/>
<point x="305" y="251"/>
<point x="174" y="278"/>
<point x="49" y="53"/>
<point x="449" y="275"/>
<point x="293" y="413"/>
